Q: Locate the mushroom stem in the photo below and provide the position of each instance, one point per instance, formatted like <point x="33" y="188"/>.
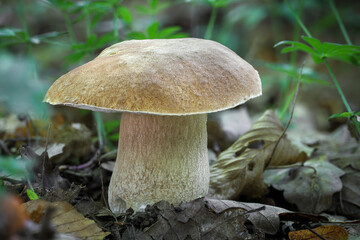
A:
<point x="159" y="158"/>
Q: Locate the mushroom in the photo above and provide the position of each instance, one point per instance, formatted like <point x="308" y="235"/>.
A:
<point x="164" y="89"/>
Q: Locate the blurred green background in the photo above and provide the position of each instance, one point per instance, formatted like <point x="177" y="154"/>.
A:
<point x="42" y="39"/>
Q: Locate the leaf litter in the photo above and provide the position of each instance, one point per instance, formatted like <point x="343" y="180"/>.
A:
<point x="239" y="169"/>
<point x="200" y="219"/>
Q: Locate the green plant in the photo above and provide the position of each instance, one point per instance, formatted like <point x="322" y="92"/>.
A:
<point x="321" y="52"/>
<point x="12" y="168"/>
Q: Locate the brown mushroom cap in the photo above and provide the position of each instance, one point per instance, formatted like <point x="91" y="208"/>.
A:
<point x="160" y="76"/>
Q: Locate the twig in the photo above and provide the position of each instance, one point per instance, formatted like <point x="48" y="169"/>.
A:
<point x="24" y="118"/>
<point x="318" y="235"/>
<point x="4" y="148"/>
<point x="43" y="163"/>
<point x="82" y="166"/>
<point x="255" y="210"/>
<point x="291" y="116"/>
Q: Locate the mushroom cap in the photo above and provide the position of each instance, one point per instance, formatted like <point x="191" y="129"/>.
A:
<point x="160" y="76"/>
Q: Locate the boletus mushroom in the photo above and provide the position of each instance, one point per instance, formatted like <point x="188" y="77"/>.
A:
<point x="164" y="89"/>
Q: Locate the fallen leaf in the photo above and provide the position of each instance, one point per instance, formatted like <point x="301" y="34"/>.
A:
<point x="77" y="142"/>
<point x="348" y="202"/>
<point x="330" y="232"/>
<point x="53" y="149"/>
<point x="230" y="122"/>
<point x="66" y="219"/>
<point x="266" y="220"/>
<point x="191" y="220"/>
<point x="239" y="169"/>
<point x="347" y="159"/>
<point x="311" y="187"/>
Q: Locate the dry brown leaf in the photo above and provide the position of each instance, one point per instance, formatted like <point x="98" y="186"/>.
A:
<point x="239" y="169"/>
<point x="331" y="232"/>
<point x="66" y="219"/>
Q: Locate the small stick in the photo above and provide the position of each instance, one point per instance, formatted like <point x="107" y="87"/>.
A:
<point x="81" y="166"/>
<point x="43" y="163"/>
<point x="4" y="147"/>
<point x="291" y="116"/>
<point x="318" y="235"/>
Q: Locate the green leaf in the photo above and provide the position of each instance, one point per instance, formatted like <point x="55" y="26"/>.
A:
<point x="31" y="194"/>
<point x="105" y="40"/>
<point x="314" y="42"/>
<point x="342" y="115"/>
<point x="9" y="32"/>
<point x="125" y="14"/>
<point x="114" y="137"/>
<point x="308" y="74"/>
<point x="143" y="10"/>
<point x="218" y="3"/>
<point x="111" y="126"/>
<point x="169" y="31"/>
<point x="294" y="46"/>
<point x="152" y="30"/>
<point x="161" y="7"/>
<point x="179" y="35"/>
<point x="63" y="5"/>
<point x="136" y="35"/>
<point x="13" y="167"/>
<point x="153" y="9"/>
<point x="153" y="4"/>
<point x="75" y="57"/>
<point x="96" y="19"/>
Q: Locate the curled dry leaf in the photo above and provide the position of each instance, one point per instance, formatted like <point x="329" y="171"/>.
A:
<point x="330" y="232"/>
<point x="239" y="169"/>
<point x="66" y="219"/>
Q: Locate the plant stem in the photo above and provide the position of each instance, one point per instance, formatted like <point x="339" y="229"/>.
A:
<point x="87" y="19"/>
<point x="211" y="23"/>
<point x="338" y="18"/>
<point x="23" y="20"/>
<point x="100" y="129"/>
<point x="337" y="86"/>
<point x="69" y="27"/>
<point x="116" y="24"/>
<point x="298" y="19"/>
<point x="293" y="57"/>
<point x="21" y="14"/>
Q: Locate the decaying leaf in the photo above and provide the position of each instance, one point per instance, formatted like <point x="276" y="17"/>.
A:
<point x="66" y="219"/>
<point x="331" y="232"/>
<point x="311" y="187"/>
<point x="192" y="220"/>
<point x="349" y="159"/>
<point x="53" y="149"/>
<point x="239" y="169"/>
<point x="348" y="201"/>
<point x="266" y="220"/>
<point x="77" y="142"/>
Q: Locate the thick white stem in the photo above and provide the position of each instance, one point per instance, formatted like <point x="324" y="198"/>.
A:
<point x="159" y="158"/>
